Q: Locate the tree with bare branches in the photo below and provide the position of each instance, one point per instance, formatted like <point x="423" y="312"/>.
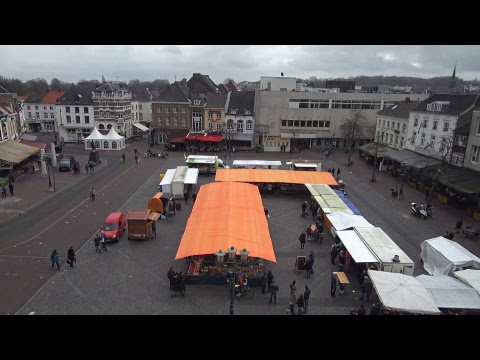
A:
<point x="352" y="128"/>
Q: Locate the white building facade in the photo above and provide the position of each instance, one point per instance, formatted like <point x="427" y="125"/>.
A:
<point x="269" y="83"/>
<point x="473" y="145"/>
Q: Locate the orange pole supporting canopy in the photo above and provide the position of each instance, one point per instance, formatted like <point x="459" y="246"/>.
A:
<point x="227" y="214"/>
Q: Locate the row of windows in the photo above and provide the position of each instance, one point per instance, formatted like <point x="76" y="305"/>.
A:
<point x="424" y="124"/>
<point x="210" y="115"/>
<point x="316" y="124"/>
<point x="77" y="119"/>
<point x="77" y="110"/>
<point x="174" y="109"/>
<point x="174" y="122"/>
<point x="338" y="104"/>
<point x="37" y="107"/>
<point x="382" y="123"/>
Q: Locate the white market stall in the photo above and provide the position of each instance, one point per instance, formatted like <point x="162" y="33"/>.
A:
<point x="470" y="277"/>
<point x="356" y="247"/>
<point x="97" y="139"/>
<point x="113" y="141"/>
<point x="404" y="293"/>
<point x="174" y="180"/>
<point x="443" y="256"/>
<point x="450" y="293"/>
<point x="343" y="221"/>
<point x="250" y="164"/>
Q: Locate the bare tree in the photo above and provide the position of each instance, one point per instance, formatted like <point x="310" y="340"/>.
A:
<point x="353" y="128"/>
<point x="439" y="164"/>
<point x="262" y="132"/>
<point x="228" y="132"/>
<point x="374" y="146"/>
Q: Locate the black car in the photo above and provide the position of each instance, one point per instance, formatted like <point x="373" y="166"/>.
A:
<point x="66" y="164"/>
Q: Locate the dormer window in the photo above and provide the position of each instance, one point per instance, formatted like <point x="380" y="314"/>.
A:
<point x="196" y="102"/>
<point x="234" y="111"/>
<point x="437" y="105"/>
<point x="247" y="112"/>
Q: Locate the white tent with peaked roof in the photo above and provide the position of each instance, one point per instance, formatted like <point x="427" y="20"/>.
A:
<point x="96" y="137"/>
<point x="113" y="141"/>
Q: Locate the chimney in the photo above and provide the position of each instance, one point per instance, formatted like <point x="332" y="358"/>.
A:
<point x="184" y="82"/>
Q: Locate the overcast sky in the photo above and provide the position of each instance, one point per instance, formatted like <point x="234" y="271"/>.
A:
<point x="71" y="63"/>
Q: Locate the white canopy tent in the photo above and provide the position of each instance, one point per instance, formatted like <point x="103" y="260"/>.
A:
<point x="97" y="139"/>
<point x="113" y="141"/>
<point x="450" y="293"/>
<point x="444" y="256"/>
<point x="343" y="221"/>
<point x="470" y="277"/>
<point x="356" y="247"/>
<point x="140" y="126"/>
<point x="402" y="292"/>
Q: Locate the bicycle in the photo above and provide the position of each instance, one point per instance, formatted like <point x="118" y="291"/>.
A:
<point x="245" y="292"/>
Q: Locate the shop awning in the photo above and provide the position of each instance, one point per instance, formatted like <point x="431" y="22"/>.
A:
<point x="33" y="143"/>
<point x="328" y="199"/>
<point x="227" y="214"/>
<point x="177" y="140"/>
<point x="14" y="152"/>
<point x="140" y="126"/>
<point x="191" y="176"/>
<point x="204" y="137"/>
<point x="243" y="137"/>
<point x="342" y="221"/>
<point x="356" y="247"/>
<point x="275" y="176"/>
<point x="410" y="158"/>
<point x="464" y="180"/>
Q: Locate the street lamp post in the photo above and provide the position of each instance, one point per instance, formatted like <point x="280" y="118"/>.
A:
<point x="51" y="187"/>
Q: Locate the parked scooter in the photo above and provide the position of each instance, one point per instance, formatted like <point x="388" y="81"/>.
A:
<point x="419" y="211"/>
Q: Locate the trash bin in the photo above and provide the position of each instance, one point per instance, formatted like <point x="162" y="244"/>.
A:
<point x="161" y="177"/>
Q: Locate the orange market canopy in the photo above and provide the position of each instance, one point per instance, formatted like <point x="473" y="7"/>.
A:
<point x="227" y="214"/>
<point x="275" y="176"/>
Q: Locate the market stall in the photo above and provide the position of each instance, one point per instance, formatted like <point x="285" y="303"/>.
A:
<point x="444" y="256"/>
<point x="470" y="277"/>
<point x="403" y="293"/>
<point x="226" y="231"/>
<point x="450" y="293"/>
<point x="341" y="221"/>
<point x="139" y="223"/>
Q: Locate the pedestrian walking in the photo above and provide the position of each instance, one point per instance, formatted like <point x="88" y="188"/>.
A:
<point x="269" y="279"/>
<point x="194" y="197"/>
<point x="55" y="257"/>
<point x="308" y="268"/>
<point x="135" y="151"/>
<point x="450" y="235"/>
<point x="333" y="284"/>
<point x="458" y="225"/>
<point x="367" y="286"/>
<point x="136" y="159"/>
<point x="333" y="253"/>
<point x="123" y="158"/>
<point x="304" y="209"/>
<point x="86" y="168"/>
<point x="306" y="296"/>
<point x="329" y="170"/>
<point x="4" y="191"/>
<point x="170" y="276"/>
<point x="103" y="241"/>
<point x="10" y="187"/>
<point x="91" y="165"/>
<point x="267" y="214"/>
<point x="154" y="230"/>
<point x="300" y="305"/>
<point x="342" y="259"/>
<point x="333" y="171"/>
<point x="186" y="196"/>
<point x="71" y="256"/>
<point x="338" y="172"/>
<point x="302" y="238"/>
<point x="96" y="241"/>
<point x="293" y="290"/>
<point x="92" y="194"/>
<point x="311" y="256"/>
<point x="263" y="282"/>
<point x="273" y="292"/>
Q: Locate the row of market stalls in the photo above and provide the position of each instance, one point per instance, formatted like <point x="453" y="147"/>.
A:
<point x="226" y="231"/>
<point x="18" y="157"/>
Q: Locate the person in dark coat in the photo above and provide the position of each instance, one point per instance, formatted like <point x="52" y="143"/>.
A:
<point x="186" y="196"/>
<point x="54" y="257"/>
<point x="273" y="292"/>
<point x="96" y="241"/>
<point x="263" y="282"/>
<point x="333" y="253"/>
<point x="10" y="187"/>
<point x="308" y="268"/>
<point x="302" y="238"/>
<point x="71" y="256"/>
<point x="269" y="279"/>
<point x="304" y="209"/>
<point x="333" y="284"/>
<point x="154" y="230"/>
<point x="367" y="286"/>
<point x="306" y="296"/>
<point x="170" y="276"/>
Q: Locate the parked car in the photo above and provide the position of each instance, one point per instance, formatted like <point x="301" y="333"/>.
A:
<point x="66" y="163"/>
<point x="113" y="227"/>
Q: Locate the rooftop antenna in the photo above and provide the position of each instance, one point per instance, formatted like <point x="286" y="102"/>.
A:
<point x="175" y="76"/>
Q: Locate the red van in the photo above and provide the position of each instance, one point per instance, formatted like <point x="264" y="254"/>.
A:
<point x="114" y="225"/>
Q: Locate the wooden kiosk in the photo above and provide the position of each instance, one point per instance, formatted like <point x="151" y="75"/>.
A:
<point x="139" y="223"/>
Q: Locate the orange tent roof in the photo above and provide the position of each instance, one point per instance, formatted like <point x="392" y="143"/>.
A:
<point x="227" y="214"/>
<point x="275" y="176"/>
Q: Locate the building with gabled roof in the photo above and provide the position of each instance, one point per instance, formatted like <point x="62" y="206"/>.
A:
<point x="214" y="111"/>
<point x="201" y="84"/>
<point x="240" y="117"/>
<point x="171" y="113"/>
